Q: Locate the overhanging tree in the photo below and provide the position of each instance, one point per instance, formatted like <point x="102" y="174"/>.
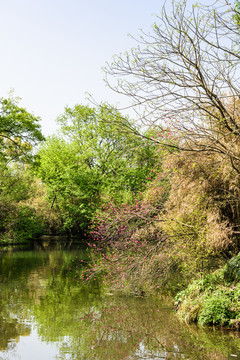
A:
<point x="185" y="77"/>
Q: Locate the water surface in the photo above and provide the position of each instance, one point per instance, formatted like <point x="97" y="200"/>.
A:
<point x="47" y="312"/>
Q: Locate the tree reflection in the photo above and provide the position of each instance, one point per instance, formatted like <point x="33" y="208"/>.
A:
<point x="85" y="324"/>
<point x="15" y="269"/>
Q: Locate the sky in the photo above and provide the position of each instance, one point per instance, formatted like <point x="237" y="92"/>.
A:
<point x="53" y="51"/>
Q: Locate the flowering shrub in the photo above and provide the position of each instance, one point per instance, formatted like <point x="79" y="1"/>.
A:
<point x="128" y="249"/>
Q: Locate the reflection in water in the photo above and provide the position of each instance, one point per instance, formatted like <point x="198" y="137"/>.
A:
<point x="46" y="312"/>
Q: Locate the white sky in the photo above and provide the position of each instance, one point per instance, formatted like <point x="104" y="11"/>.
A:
<point x="52" y="51"/>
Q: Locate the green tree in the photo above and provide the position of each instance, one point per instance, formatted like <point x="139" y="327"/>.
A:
<point x="70" y="183"/>
<point x="19" y="131"/>
<point x="91" y="159"/>
<point x="105" y="144"/>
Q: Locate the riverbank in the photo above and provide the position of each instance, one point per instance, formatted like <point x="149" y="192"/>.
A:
<point x="214" y="299"/>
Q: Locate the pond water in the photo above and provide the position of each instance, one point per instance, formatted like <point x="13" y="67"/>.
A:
<point x="47" y="312"/>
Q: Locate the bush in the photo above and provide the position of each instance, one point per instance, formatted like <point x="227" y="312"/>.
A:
<point x="216" y="309"/>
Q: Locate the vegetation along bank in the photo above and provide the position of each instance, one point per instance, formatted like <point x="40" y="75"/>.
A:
<point x="156" y="197"/>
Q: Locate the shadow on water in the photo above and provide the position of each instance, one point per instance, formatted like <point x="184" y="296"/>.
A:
<point x="47" y="312"/>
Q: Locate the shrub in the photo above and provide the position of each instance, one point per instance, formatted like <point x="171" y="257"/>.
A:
<point x="216" y="309"/>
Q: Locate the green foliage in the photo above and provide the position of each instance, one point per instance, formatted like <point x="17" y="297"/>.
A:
<point x="216" y="309"/>
<point x="236" y="16"/>
<point x="15" y="182"/>
<point x="19" y="131"/>
<point x="212" y="300"/>
<point x="70" y="183"/>
<point x="104" y="143"/>
<point x="27" y="225"/>
<point x="187" y="235"/>
<point x="19" y="223"/>
<point x="8" y="213"/>
<point x="232" y="269"/>
<point x="94" y="158"/>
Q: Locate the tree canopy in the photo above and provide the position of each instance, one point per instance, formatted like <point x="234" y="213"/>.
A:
<point x="19" y="131"/>
<point x="185" y="75"/>
<point x="93" y="158"/>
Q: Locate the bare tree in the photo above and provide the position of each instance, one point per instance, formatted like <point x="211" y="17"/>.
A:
<point x="184" y="76"/>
